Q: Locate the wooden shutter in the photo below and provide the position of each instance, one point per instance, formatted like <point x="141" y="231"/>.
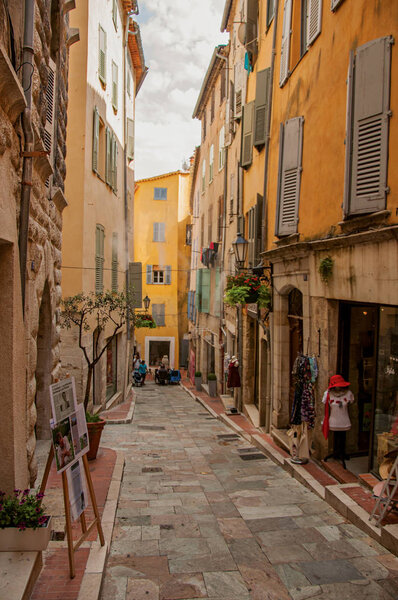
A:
<point x="314" y="20"/>
<point x="198" y="294"/>
<point x="211" y="163"/>
<point x="251" y="26"/>
<point x="156" y="232"/>
<point x="167" y="274"/>
<point x="159" y="232"/>
<point x="334" y="4"/>
<point x="102" y="54"/>
<point x="285" y="47"/>
<point x="115" y="85"/>
<point x="135" y="283"/>
<point x="95" y="140"/>
<point x="261" y="107"/>
<point x="240" y="89"/>
<point x="149" y="274"/>
<point x="348" y="135"/>
<point x="108" y="153"/>
<point x="189" y="313"/>
<point x="205" y="308"/>
<point x="130" y="139"/>
<point x="290" y="175"/>
<point x="251" y="234"/>
<point x="247" y="135"/>
<point x="370" y="126"/>
<point x="231" y="196"/>
<point x="115" y="263"/>
<point x="162" y="231"/>
<point x="49" y="126"/>
<point x="221" y="151"/>
<point x="114" y="13"/>
<point x="114" y="162"/>
<point x="99" y="259"/>
<point x="259" y="228"/>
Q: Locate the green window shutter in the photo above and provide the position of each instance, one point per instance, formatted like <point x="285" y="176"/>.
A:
<point x="115" y="77"/>
<point x="108" y="156"/>
<point x="149" y="274"/>
<point x="247" y="135"/>
<point x="290" y="176"/>
<point x="167" y="274"/>
<point x="102" y="54"/>
<point x="205" y="291"/>
<point x="115" y="263"/>
<point x="135" y="283"/>
<point x="114" y="151"/>
<point x="261" y="107"/>
<point x="217" y="299"/>
<point x="99" y="259"/>
<point x="370" y="126"/>
<point x="95" y="140"/>
<point x="198" y="295"/>
<point x="314" y="20"/>
<point x="285" y="46"/>
<point x="130" y="139"/>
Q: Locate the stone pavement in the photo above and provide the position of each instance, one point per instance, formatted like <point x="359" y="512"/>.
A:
<point x="202" y="514"/>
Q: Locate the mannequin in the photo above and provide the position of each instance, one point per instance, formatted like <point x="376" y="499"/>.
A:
<point x="336" y="399"/>
<point x="233" y="373"/>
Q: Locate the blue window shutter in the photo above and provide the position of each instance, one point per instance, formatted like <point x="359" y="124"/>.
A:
<point x="189" y="305"/>
<point x="199" y="289"/>
<point x="149" y="274"/>
<point x="167" y="270"/>
<point x="205" y="291"/>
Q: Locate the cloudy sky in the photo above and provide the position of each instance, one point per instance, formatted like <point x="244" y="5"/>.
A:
<point x="178" y="37"/>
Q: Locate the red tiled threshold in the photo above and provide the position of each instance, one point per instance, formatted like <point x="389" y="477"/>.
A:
<point x="337" y="470"/>
<point x="364" y="498"/>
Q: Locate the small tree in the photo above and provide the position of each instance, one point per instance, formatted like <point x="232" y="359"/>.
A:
<point x="90" y="312"/>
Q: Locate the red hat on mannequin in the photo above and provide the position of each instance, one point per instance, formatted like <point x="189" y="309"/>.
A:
<point x="337" y="381"/>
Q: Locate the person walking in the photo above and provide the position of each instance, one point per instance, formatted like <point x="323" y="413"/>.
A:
<point x="143" y="369"/>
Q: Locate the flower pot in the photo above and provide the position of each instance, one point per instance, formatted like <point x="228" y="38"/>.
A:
<point x="94" y="437"/>
<point x="212" y="387"/>
<point x="29" y="540"/>
<point x="198" y="383"/>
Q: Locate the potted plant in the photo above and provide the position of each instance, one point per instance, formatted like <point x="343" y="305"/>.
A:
<point x="95" y="425"/>
<point x="198" y="381"/>
<point x="247" y="289"/>
<point x="144" y="320"/>
<point x="212" y="383"/>
<point x="23" y="525"/>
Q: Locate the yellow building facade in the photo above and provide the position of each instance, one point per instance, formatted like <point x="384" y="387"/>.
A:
<point x="161" y="226"/>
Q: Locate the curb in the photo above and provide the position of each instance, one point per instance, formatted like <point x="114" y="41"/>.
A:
<point x="334" y="495"/>
<point x="92" y="579"/>
<point x="127" y="419"/>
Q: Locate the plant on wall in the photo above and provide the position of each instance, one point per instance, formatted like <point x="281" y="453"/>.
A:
<point x="245" y="288"/>
<point x="143" y="320"/>
<point x="326" y="268"/>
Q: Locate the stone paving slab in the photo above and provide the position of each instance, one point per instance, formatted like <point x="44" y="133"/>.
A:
<point x="196" y="521"/>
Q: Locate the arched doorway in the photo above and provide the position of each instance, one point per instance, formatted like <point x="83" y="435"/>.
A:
<point x="295" y="318"/>
<point x="43" y="367"/>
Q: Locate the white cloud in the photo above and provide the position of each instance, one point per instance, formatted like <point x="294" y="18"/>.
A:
<point x="178" y="37"/>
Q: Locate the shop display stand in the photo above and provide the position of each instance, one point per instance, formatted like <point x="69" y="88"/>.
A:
<point x="388" y="498"/>
<point x="72" y="547"/>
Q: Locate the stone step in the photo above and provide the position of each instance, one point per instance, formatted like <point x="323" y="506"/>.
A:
<point x="18" y="574"/>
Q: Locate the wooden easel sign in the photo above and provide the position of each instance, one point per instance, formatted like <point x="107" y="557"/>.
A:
<point x="69" y="448"/>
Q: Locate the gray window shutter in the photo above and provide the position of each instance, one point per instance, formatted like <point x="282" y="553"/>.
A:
<point x="49" y="126"/>
<point x="167" y="271"/>
<point x="198" y="294"/>
<point x="334" y="4"/>
<point x="115" y="85"/>
<point x="102" y="54"/>
<point x="290" y="174"/>
<point x="149" y="274"/>
<point x="108" y="169"/>
<point x="130" y="139"/>
<point x="162" y="232"/>
<point x="205" y="289"/>
<point x="348" y="135"/>
<point x="95" y="140"/>
<point x="259" y="228"/>
<point x="217" y="299"/>
<point x="247" y="135"/>
<point x="99" y="259"/>
<point x="251" y="26"/>
<point x="114" y="13"/>
<point x="115" y="263"/>
<point x="314" y="20"/>
<point x="370" y="126"/>
<point x="285" y="47"/>
<point x="261" y="107"/>
<point x="114" y="163"/>
<point x="156" y="232"/>
<point x="135" y="283"/>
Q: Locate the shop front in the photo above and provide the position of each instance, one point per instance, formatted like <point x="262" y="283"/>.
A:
<point x="368" y="359"/>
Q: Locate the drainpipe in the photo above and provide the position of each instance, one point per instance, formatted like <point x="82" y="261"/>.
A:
<point x="27" y="165"/>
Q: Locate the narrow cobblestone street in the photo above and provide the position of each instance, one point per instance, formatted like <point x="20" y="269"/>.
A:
<point x="202" y="514"/>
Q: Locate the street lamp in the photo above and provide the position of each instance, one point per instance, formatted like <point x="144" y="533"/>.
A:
<point x="240" y="246"/>
<point x="146" y="302"/>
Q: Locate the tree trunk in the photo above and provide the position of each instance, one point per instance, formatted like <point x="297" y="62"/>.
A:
<point x="88" y="386"/>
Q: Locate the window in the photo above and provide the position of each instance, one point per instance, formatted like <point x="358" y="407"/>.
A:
<point x="115" y="77"/>
<point x="261" y="107"/>
<point x="159" y="232"/>
<point x="158" y="314"/>
<point x="158" y="275"/>
<point x="210" y="225"/>
<point x="212" y="106"/>
<point x="289" y="176"/>
<point x="203" y="176"/>
<point x="114" y="13"/>
<point x="211" y="163"/>
<point x="96" y="137"/>
<point x="188" y="235"/>
<point x="159" y="193"/>
<point x="247" y="135"/>
<point x="285" y="46"/>
<point x="130" y="139"/>
<point x="115" y="263"/>
<point x="251" y="29"/>
<point x="270" y="11"/>
<point x="367" y="120"/>
<point x="135" y="283"/>
<point x="49" y="127"/>
<point x="99" y="259"/>
<point x="102" y="55"/>
<point x="221" y="149"/>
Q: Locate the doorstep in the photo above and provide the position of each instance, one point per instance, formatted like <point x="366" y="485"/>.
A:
<point x="121" y="414"/>
<point x="18" y="574"/>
